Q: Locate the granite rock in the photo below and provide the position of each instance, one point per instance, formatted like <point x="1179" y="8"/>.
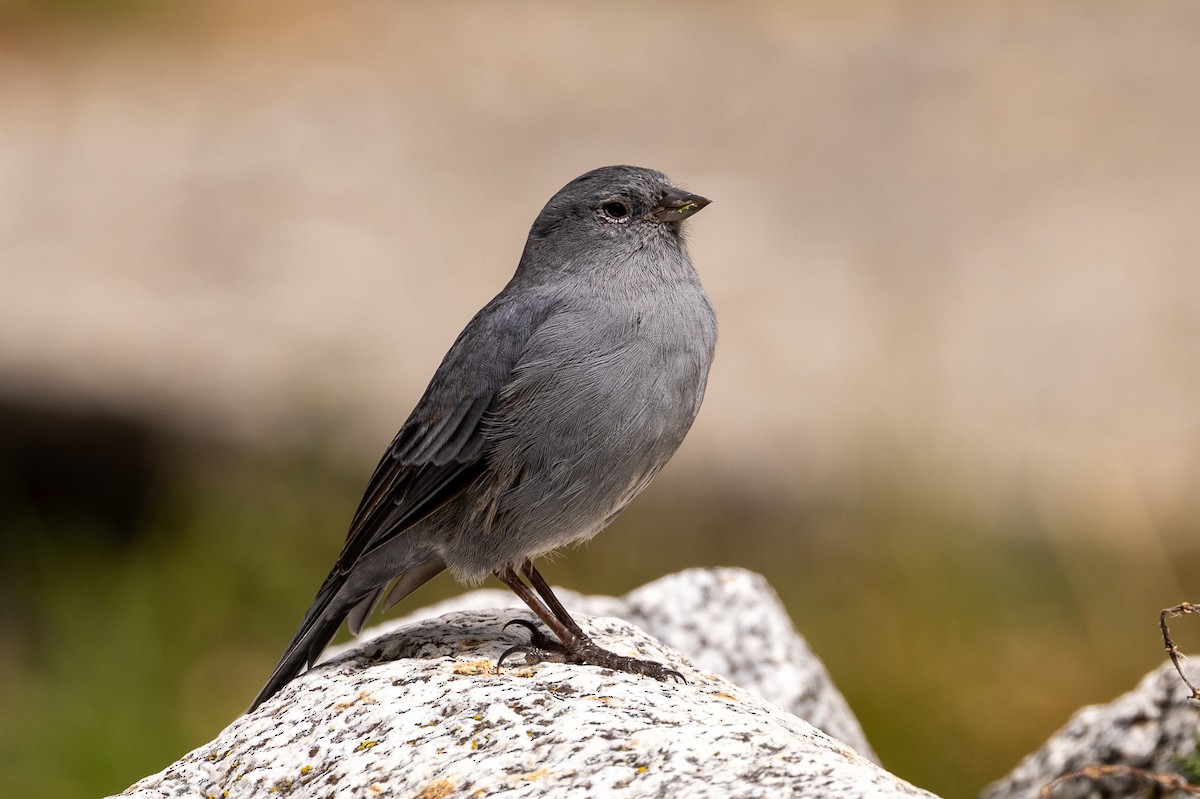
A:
<point x="1152" y="727"/>
<point x="420" y="711"/>
<point x="423" y="713"/>
<point x="724" y="620"/>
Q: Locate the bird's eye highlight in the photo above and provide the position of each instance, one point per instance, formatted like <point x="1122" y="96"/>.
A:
<point x="615" y="210"/>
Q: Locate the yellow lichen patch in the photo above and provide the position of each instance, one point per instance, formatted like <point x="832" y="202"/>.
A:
<point x="533" y="775"/>
<point x="365" y="745"/>
<point x="438" y="789"/>
<point x="723" y="695"/>
<point x="473" y="667"/>
<point x="305" y="769"/>
<point x="363" y="696"/>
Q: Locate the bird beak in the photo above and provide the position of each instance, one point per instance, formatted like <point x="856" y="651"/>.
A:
<point x="676" y="205"/>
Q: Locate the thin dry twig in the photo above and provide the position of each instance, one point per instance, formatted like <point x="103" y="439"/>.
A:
<point x="1173" y="650"/>
<point x="1097" y="772"/>
<point x="1156" y="780"/>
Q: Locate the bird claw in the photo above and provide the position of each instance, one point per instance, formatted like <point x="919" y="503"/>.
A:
<point x="544" y="649"/>
<point x="533" y="655"/>
<point x="540" y="649"/>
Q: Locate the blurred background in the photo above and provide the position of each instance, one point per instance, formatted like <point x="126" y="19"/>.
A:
<point x="953" y="418"/>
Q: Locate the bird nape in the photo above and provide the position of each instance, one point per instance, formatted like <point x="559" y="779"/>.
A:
<point x="557" y="404"/>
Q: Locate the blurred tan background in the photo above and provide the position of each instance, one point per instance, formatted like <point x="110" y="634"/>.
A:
<point x="953" y="251"/>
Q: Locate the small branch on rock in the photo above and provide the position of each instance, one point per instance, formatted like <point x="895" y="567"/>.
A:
<point x="1098" y="772"/>
<point x="1158" y="781"/>
<point x="1173" y="650"/>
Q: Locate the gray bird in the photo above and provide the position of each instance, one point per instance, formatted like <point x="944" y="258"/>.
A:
<point x="555" y="407"/>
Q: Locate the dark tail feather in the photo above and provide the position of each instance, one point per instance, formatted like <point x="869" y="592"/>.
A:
<point x="317" y="629"/>
<point x="412" y="579"/>
<point x="409" y="580"/>
<point x="362" y="611"/>
<point x="335" y="601"/>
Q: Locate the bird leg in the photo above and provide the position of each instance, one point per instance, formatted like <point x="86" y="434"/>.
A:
<point x="574" y="645"/>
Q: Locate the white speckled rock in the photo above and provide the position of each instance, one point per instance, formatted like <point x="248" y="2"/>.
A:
<point x="423" y="713"/>
<point x="1151" y="727"/>
<point x="728" y="621"/>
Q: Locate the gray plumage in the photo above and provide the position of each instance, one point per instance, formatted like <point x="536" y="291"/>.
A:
<point x="554" y="408"/>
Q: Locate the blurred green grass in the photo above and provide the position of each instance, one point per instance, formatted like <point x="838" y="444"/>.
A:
<point x="960" y="641"/>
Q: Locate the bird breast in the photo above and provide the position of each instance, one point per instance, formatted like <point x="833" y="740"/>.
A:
<point x="602" y="397"/>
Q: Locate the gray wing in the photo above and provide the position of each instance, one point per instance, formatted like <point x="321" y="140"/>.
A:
<point x="438" y="452"/>
<point x="440" y="448"/>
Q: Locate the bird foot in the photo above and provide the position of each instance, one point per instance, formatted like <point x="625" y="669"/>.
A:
<point x="540" y="649"/>
<point x="544" y="649"/>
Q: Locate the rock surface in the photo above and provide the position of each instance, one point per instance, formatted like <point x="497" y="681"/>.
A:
<point x="1152" y="727"/>
<point x="727" y="621"/>
<point x="420" y="711"/>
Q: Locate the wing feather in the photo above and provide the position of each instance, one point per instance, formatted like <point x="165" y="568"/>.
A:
<point x="438" y="453"/>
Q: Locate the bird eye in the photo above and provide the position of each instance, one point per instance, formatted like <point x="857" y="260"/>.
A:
<point x="615" y="210"/>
